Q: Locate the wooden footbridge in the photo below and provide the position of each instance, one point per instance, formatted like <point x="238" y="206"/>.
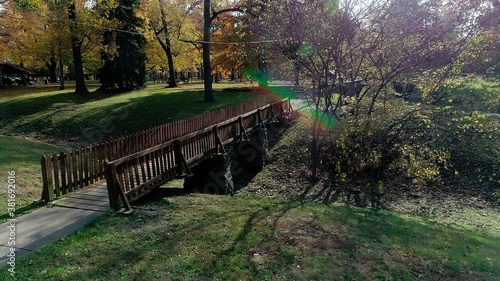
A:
<point x="111" y="175"/>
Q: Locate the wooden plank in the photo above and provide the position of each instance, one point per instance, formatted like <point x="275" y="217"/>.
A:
<point x="148" y="167"/>
<point x="136" y="170"/>
<point x="150" y="164"/>
<point x="100" y="161"/>
<point x="119" y="148"/>
<point x="126" y="146"/>
<point x="162" y="160"/>
<point x="83" y="205"/>
<point x="146" y="184"/>
<point x="142" y="159"/>
<point x="131" y="176"/>
<point x="111" y="183"/>
<point x="75" y="169"/>
<point x="168" y="159"/>
<point x="161" y="163"/>
<point x="157" y="162"/>
<point x="112" y="150"/>
<point x="86" y="165"/>
<point x="69" y="163"/>
<point x="91" y="197"/>
<point x="64" y="183"/>
<point x="50" y="179"/>
<point x="97" y="191"/>
<point x="45" y="179"/>
<point x="125" y="177"/>
<point x="90" y="164"/>
<point x="123" y="197"/>
<point x="80" y="169"/>
<point x="55" y="163"/>
<point x="95" y="157"/>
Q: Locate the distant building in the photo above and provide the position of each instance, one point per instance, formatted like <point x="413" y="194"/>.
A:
<point x="13" y="74"/>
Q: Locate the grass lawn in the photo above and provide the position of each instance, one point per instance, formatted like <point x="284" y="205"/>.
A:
<point x="475" y="94"/>
<point x="43" y="112"/>
<point x="245" y="237"/>
<point x="23" y="157"/>
<point x="58" y="116"/>
<point x="249" y="237"/>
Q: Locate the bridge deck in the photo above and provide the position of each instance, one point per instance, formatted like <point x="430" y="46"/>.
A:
<point x="93" y="198"/>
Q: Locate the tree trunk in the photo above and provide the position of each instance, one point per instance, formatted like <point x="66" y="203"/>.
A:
<point x="76" y="46"/>
<point x="263" y="70"/>
<point x="52" y="67"/>
<point x="296" y="75"/>
<point x="315" y="155"/>
<point x="233" y="74"/>
<point x="207" y="68"/>
<point x="1" y="78"/>
<point x="374" y="98"/>
<point x="167" y="48"/>
<point x="61" y="70"/>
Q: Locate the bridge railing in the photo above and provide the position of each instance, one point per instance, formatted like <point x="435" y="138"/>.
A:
<point x="134" y="176"/>
<point x="69" y="171"/>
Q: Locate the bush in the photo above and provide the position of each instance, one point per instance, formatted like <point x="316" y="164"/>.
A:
<point x="418" y="143"/>
<point x="395" y="143"/>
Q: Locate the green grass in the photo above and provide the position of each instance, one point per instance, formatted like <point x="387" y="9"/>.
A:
<point x="475" y="94"/>
<point x="203" y="237"/>
<point x="57" y="116"/>
<point x="23" y="157"/>
<point x="51" y="115"/>
<point x="243" y="237"/>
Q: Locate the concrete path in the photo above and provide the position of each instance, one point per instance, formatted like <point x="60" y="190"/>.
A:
<point x="49" y="224"/>
<point x="298" y="104"/>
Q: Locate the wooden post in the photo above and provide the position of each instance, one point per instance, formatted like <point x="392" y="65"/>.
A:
<point x="273" y="117"/>
<point x="182" y="165"/>
<point x="243" y="133"/>
<point x="64" y="183"/>
<point x="48" y="185"/>
<point x="111" y="183"/>
<point x="55" y="162"/>
<point x="215" y="131"/>
<point x="178" y="156"/>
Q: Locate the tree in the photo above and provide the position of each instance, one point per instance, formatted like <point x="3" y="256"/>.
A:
<point x="351" y="44"/>
<point x="210" y="13"/>
<point x="161" y="27"/>
<point x="124" y="60"/>
<point x="207" y="67"/>
<point x="76" y="46"/>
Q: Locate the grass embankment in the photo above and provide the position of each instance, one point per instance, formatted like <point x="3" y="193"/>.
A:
<point x="58" y="116"/>
<point x="203" y="237"/>
<point x="248" y="237"/>
<point x="23" y="157"/>
<point x="61" y="117"/>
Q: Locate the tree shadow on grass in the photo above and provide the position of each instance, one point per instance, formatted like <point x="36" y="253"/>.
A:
<point x="61" y="116"/>
<point x="208" y="237"/>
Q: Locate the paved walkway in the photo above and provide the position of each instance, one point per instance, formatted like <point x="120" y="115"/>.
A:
<point x="49" y="224"/>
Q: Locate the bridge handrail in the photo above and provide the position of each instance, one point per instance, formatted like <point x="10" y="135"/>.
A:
<point x="70" y="171"/>
<point x="133" y="176"/>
